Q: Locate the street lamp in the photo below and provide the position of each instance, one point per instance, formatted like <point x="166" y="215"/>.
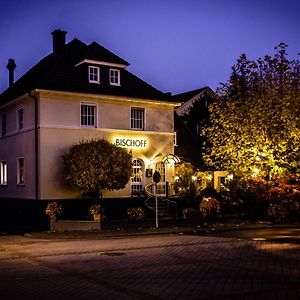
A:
<point x="156" y="179"/>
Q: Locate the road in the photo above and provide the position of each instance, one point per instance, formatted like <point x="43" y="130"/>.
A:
<point x="149" y="267"/>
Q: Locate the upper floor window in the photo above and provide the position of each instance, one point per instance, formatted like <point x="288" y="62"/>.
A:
<point x="20" y="118"/>
<point x="114" y="76"/>
<point x="3" y="124"/>
<point x="20" y="171"/>
<point x="94" y="74"/>
<point x="137" y="120"/>
<point x="3" y="173"/>
<point x="88" y="115"/>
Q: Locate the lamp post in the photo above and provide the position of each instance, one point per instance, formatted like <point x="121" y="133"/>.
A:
<point x="156" y="179"/>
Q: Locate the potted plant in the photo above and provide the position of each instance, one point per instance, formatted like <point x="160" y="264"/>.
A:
<point x="96" y="211"/>
<point x="53" y="209"/>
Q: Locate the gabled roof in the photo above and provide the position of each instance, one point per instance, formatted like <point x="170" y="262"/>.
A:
<point x="58" y="72"/>
<point x="95" y="52"/>
<point x="188" y="95"/>
<point x="191" y="97"/>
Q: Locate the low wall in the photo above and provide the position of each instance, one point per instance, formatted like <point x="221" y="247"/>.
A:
<point x="69" y="225"/>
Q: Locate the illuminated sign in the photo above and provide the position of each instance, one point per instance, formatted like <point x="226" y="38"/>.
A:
<point x="131" y="143"/>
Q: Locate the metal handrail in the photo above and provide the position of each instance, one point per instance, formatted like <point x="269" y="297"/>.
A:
<point x="150" y="195"/>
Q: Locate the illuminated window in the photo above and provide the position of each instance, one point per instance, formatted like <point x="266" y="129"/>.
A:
<point x="137" y="118"/>
<point x="20" y="118"/>
<point x="3" y="125"/>
<point x="88" y="115"/>
<point x="94" y="74"/>
<point x="3" y="173"/>
<point x="20" y="171"/>
<point x="137" y="178"/>
<point x="114" y="77"/>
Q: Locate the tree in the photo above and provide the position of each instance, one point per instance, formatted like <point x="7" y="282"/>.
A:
<point x="95" y="165"/>
<point x="255" y="121"/>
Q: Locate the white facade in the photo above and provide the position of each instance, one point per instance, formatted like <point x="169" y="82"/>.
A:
<point x="59" y="125"/>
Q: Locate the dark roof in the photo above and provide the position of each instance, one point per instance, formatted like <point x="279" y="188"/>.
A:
<point x="183" y="97"/>
<point x="58" y="72"/>
<point x="95" y="51"/>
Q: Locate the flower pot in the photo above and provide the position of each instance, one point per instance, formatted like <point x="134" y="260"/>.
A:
<point x="52" y="218"/>
<point x="97" y="217"/>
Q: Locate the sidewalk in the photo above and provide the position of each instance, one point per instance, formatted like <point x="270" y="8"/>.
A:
<point x="123" y="231"/>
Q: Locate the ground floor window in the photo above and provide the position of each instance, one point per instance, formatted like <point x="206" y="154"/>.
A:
<point x="21" y="171"/>
<point x="137" y="176"/>
<point x="3" y="173"/>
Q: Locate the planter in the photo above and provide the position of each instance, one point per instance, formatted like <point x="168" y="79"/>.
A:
<point x="97" y="217"/>
<point x="52" y="218"/>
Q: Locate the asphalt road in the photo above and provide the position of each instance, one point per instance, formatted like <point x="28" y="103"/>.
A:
<point x="149" y="267"/>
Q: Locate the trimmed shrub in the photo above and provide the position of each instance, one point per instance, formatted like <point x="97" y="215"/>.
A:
<point x="209" y="207"/>
<point x="136" y="213"/>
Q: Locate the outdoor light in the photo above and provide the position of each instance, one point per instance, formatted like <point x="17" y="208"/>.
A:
<point x="176" y="177"/>
<point x="171" y="159"/>
<point x="209" y="177"/>
<point x="256" y="171"/>
<point x="230" y="176"/>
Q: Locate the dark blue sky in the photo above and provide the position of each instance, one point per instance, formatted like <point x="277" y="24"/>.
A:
<point x="174" y="45"/>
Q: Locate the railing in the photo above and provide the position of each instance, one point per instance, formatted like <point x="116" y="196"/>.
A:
<point x="163" y="189"/>
<point x="166" y="207"/>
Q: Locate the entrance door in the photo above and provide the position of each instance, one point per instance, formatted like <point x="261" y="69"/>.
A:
<point x="161" y="186"/>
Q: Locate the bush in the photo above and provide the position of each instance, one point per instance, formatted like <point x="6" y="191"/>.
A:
<point x="136" y="213"/>
<point x="209" y="207"/>
<point x="278" y="212"/>
<point x="189" y="213"/>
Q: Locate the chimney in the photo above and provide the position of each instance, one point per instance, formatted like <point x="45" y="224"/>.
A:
<point x="11" y="68"/>
<point x="59" y="40"/>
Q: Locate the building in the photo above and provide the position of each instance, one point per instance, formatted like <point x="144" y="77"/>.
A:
<point x="76" y="93"/>
<point x="189" y="119"/>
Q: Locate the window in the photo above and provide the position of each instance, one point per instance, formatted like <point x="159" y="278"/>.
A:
<point x="137" y="118"/>
<point x="3" y="173"/>
<point x="3" y="124"/>
<point x="137" y="178"/>
<point x="94" y="74"/>
<point x="20" y="118"/>
<point x="114" y="77"/>
<point x="88" y="115"/>
<point x="175" y="139"/>
<point x="21" y="171"/>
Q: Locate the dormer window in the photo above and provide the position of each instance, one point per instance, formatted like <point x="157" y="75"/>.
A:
<point x="114" y="77"/>
<point x="94" y="74"/>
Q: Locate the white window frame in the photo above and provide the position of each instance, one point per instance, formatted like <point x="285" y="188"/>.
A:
<point x="92" y="74"/>
<point x="19" y="181"/>
<point x="3" y="172"/>
<point x="175" y="139"/>
<point x="3" y="132"/>
<point x="20" y="125"/>
<point x="137" y="180"/>
<point x="95" y="114"/>
<point x="135" y="120"/>
<point x="114" y="77"/>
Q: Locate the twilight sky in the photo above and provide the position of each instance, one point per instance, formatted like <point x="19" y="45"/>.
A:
<point x="175" y="45"/>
